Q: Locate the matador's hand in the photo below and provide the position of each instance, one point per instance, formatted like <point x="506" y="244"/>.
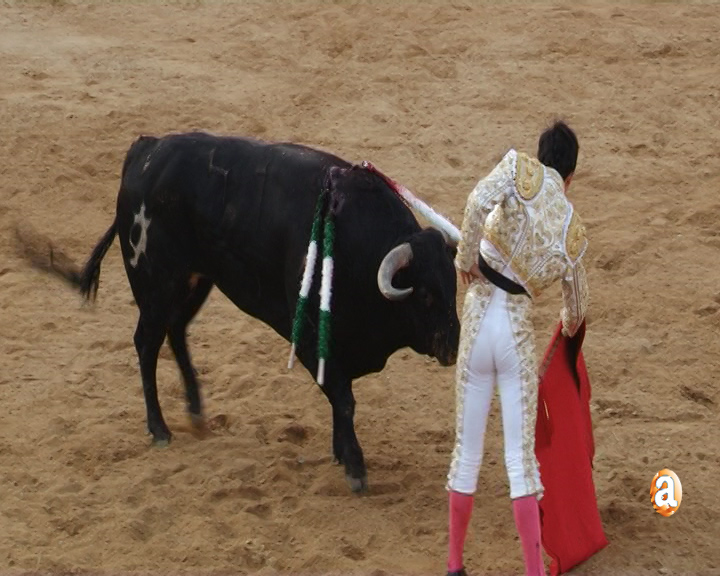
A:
<point x="470" y="276"/>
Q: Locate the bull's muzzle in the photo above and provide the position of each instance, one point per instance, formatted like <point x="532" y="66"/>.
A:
<point x="445" y="349"/>
<point x="447" y="358"/>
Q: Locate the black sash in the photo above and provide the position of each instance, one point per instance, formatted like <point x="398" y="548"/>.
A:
<point x="498" y="279"/>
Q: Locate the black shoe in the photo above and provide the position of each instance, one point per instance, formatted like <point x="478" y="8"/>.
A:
<point x="460" y="572"/>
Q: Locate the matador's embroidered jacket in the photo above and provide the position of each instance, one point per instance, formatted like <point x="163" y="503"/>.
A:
<point x="531" y="229"/>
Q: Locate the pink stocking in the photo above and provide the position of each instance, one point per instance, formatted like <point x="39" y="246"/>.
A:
<point x="460" y="512"/>
<point x="527" y="521"/>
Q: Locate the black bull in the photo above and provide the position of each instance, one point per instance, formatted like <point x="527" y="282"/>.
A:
<point x="196" y="211"/>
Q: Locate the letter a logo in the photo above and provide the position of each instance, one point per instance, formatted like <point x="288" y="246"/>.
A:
<point x="666" y="492"/>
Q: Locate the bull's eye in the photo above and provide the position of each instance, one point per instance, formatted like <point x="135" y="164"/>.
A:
<point x="426" y="298"/>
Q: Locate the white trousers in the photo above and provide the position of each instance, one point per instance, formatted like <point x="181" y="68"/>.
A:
<point x="494" y="359"/>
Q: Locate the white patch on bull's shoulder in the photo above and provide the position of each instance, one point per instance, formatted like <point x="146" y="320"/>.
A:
<point x="139" y="248"/>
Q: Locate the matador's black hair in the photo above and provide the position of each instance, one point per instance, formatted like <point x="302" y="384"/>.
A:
<point x="558" y="148"/>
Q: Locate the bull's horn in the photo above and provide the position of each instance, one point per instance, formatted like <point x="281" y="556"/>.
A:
<point x="397" y="258"/>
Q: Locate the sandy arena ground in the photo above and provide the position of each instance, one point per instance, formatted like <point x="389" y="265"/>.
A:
<point x="432" y="93"/>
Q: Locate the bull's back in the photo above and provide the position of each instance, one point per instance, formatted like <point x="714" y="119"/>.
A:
<point x="223" y="195"/>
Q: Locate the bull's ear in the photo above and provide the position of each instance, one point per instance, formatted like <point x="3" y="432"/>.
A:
<point x="450" y="246"/>
<point x="448" y="239"/>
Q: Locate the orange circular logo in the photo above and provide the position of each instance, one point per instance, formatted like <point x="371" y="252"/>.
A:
<point x="666" y="492"/>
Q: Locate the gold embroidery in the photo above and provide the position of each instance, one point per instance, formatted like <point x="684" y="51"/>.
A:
<point x="519" y="311"/>
<point x="575" y="298"/>
<point x="501" y="226"/>
<point x="528" y="176"/>
<point x="476" y="302"/>
<point x="575" y="240"/>
<point x="486" y="196"/>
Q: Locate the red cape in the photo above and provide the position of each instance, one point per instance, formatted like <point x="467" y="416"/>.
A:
<point x="571" y="527"/>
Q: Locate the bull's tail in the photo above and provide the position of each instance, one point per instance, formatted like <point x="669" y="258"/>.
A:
<point x="43" y="254"/>
<point x="89" y="280"/>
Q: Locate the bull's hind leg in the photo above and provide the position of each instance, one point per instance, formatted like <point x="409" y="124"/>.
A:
<point x="149" y="336"/>
<point x="182" y="314"/>
<point x="155" y="251"/>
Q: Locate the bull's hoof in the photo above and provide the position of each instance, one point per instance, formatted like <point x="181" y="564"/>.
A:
<point x="161" y="440"/>
<point x="198" y="421"/>
<point x="199" y="427"/>
<point x="357" y="485"/>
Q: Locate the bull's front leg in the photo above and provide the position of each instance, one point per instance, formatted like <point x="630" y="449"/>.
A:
<point x="346" y="447"/>
<point x="338" y="390"/>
